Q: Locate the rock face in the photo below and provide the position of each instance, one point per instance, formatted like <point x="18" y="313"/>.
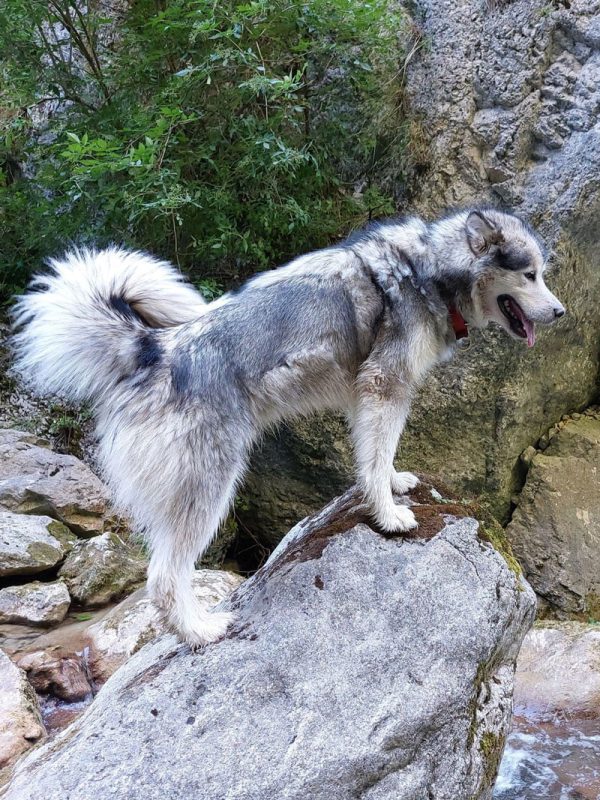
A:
<point x="102" y="569"/>
<point x="36" y="603"/>
<point x="360" y="666"/>
<point x="504" y="99"/>
<point x="20" y="721"/>
<point x="134" y="622"/>
<point x="508" y="95"/>
<point x="555" y="530"/>
<point x="31" y="544"/>
<point x="558" y="672"/>
<point x="36" y="480"/>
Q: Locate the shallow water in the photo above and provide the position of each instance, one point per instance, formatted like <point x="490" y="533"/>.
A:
<point x="557" y="760"/>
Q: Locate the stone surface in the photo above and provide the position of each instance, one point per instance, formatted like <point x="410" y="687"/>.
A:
<point x="360" y="666"/>
<point x="63" y="676"/>
<point x="38" y="604"/>
<point x="555" y="529"/>
<point x="503" y="98"/>
<point x="102" y="569"/>
<point x="20" y="721"/>
<point x="31" y="544"/>
<point x="134" y="622"/>
<point x="36" y="480"/>
<point x="558" y="672"/>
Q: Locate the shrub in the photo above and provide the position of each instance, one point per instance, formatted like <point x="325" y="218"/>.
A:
<point x="227" y="136"/>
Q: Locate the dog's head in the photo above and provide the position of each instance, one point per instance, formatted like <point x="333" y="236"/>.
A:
<point x="509" y="263"/>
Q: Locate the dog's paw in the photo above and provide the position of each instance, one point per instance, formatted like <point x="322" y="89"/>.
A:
<point x="208" y="629"/>
<point x="396" y="519"/>
<point x="403" y="482"/>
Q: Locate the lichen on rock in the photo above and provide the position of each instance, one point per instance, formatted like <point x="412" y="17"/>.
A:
<point x="102" y="569"/>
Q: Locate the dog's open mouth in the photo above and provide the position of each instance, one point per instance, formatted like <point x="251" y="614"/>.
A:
<point x="520" y="325"/>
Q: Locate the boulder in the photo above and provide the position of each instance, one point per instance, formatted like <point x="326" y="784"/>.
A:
<point x="20" y="720"/>
<point x="31" y="544"/>
<point x="61" y="676"/>
<point x="103" y="569"/>
<point x="36" y="480"/>
<point x="558" y="673"/>
<point x="360" y="665"/>
<point x="501" y="101"/>
<point x="135" y="621"/>
<point x="38" y="604"/>
<point x="555" y="529"/>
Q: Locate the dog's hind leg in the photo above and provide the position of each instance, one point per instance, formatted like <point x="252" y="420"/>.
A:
<point x="200" y="503"/>
<point x="176" y="474"/>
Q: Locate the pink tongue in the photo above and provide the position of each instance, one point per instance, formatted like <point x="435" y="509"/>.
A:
<point x="530" y="330"/>
<point x="526" y="323"/>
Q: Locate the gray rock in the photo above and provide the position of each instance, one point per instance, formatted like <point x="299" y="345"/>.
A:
<point x="38" y="604"/>
<point x="31" y="544"/>
<point x="558" y="672"/>
<point x="360" y="666"/>
<point x="36" y="480"/>
<point x="20" y="721"/>
<point x="555" y="529"/>
<point x="487" y="94"/>
<point x="102" y="569"/>
<point x="135" y="621"/>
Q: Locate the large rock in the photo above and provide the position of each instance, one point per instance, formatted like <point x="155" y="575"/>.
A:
<point x="36" y="480"/>
<point x="102" y="569"/>
<point x="503" y="99"/>
<point x="558" y="672"/>
<point x="37" y="604"/>
<point x="135" y="621"/>
<point x="31" y="544"/>
<point x="20" y="720"/>
<point x="555" y="529"/>
<point x="359" y="666"/>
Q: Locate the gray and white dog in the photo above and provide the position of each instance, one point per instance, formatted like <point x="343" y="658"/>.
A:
<point x="182" y="389"/>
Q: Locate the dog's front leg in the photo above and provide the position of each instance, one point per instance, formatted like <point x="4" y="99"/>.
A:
<point x="377" y="423"/>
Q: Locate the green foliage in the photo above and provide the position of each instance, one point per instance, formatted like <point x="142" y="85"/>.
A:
<point x="227" y="136"/>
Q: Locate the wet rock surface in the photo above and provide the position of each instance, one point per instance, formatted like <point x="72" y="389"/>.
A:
<point x="558" y="673"/>
<point x="37" y="480"/>
<point x="555" y="529"/>
<point x="36" y="603"/>
<point x="102" y="569"/>
<point x="63" y="677"/>
<point x="359" y="666"/>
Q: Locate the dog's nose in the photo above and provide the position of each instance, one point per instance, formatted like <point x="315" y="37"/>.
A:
<point x="559" y="312"/>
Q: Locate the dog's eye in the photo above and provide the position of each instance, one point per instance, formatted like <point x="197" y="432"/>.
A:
<point x="530" y="276"/>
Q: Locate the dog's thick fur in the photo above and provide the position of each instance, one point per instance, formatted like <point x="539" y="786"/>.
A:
<point x="182" y="389"/>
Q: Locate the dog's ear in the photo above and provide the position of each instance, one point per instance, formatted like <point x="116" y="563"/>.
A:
<point x="482" y="233"/>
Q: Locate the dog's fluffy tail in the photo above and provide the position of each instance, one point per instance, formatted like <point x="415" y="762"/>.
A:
<point x="81" y="326"/>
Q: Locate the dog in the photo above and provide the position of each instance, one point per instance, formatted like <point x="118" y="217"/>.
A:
<point x="182" y="389"/>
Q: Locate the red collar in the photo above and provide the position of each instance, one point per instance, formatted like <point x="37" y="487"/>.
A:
<point x="459" y="324"/>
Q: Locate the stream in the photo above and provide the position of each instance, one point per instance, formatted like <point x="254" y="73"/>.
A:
<point x="556" y="760"/>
